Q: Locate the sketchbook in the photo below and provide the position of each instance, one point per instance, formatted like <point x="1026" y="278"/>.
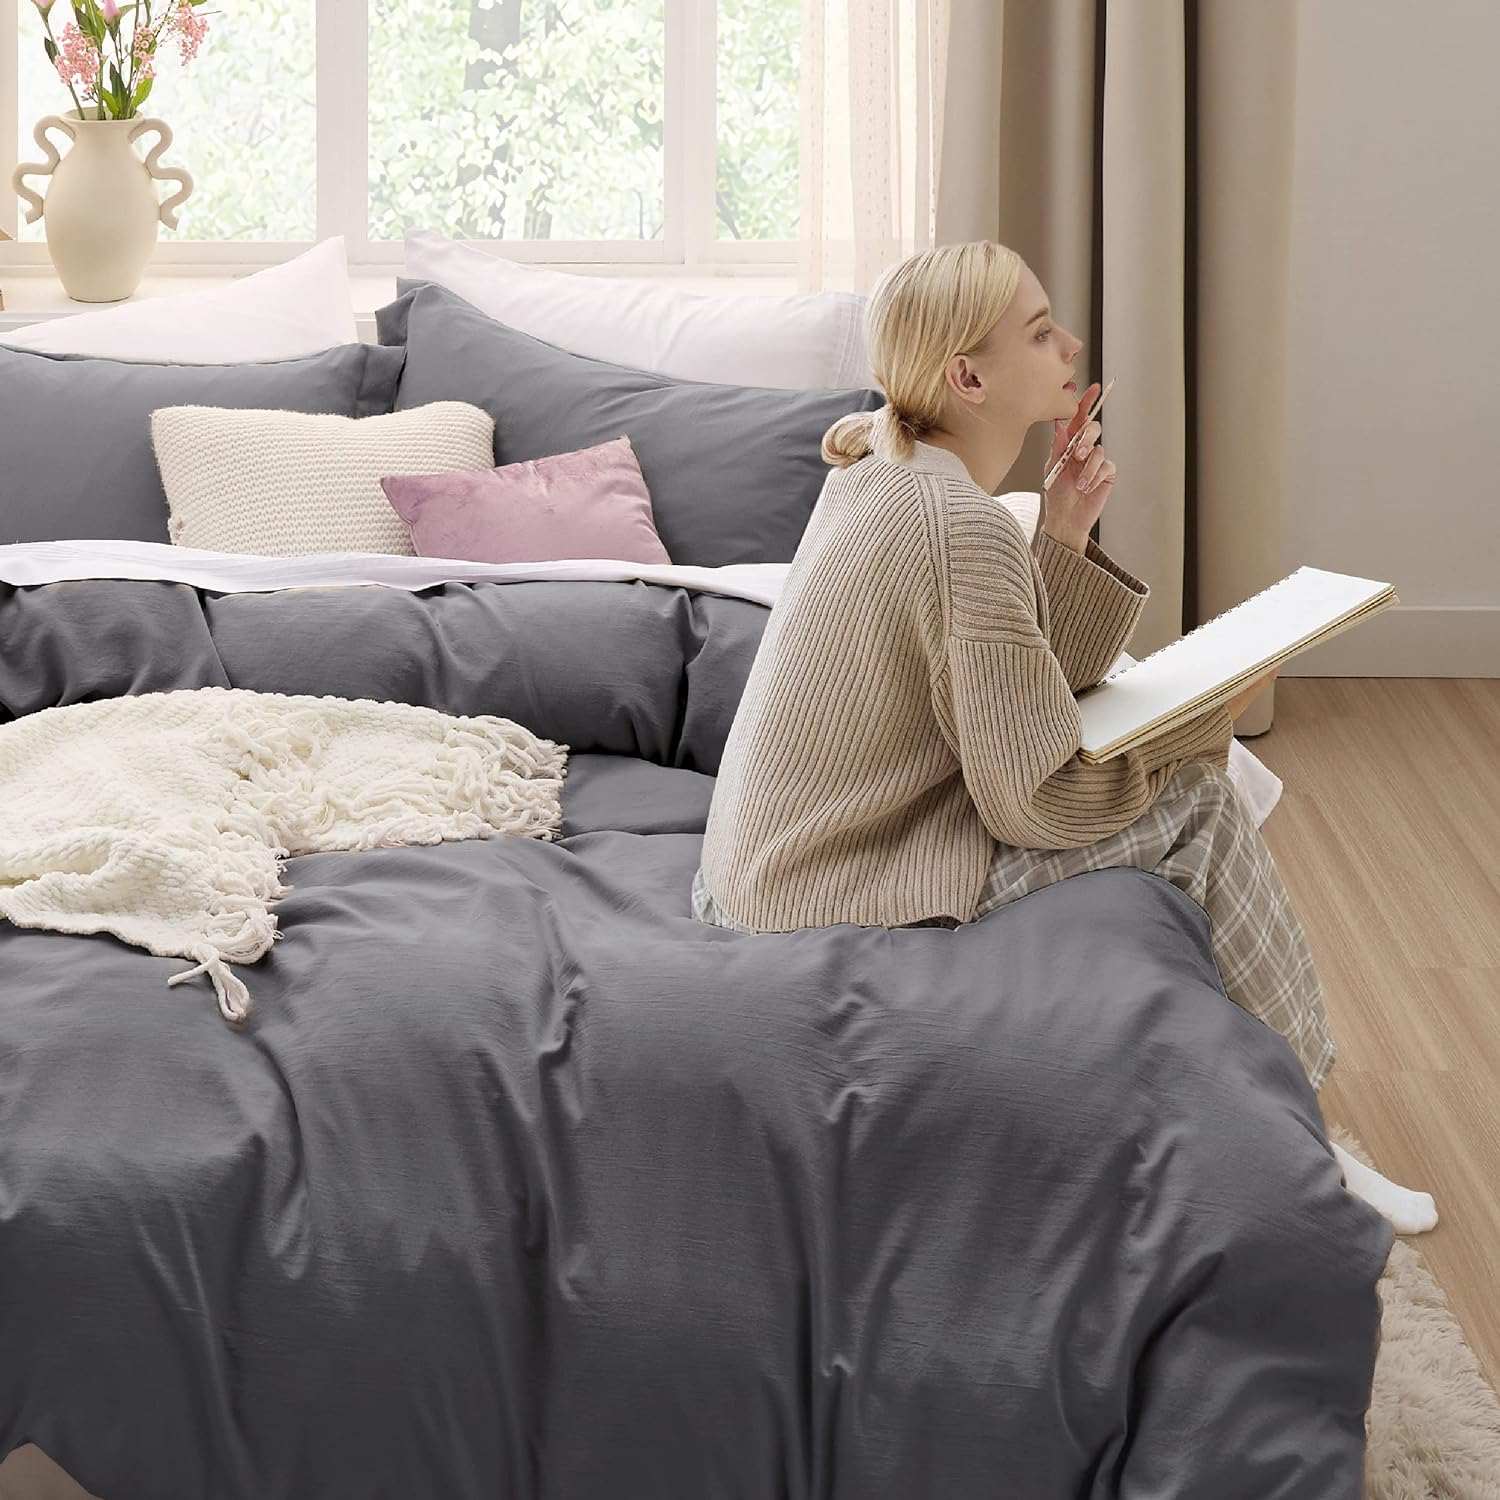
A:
<point x="1210" y="665"/>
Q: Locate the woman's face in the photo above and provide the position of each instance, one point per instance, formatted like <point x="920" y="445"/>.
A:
<point x="1023" y="365"/>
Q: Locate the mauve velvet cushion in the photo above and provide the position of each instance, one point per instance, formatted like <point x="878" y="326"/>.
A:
<point x="590" y="503"/>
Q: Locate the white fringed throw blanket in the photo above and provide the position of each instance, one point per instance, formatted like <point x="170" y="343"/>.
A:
<point x="162" y="817"/>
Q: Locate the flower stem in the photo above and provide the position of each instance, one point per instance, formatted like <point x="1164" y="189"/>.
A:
<point x="115" y="36"/>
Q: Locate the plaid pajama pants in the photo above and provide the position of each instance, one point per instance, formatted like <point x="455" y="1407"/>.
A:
<point x="1200" y="835"/>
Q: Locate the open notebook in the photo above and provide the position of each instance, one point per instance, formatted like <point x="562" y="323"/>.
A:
<point x="1209" y="665"/>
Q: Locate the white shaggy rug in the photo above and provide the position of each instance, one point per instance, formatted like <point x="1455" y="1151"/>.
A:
<point x="1434" y="1423"/>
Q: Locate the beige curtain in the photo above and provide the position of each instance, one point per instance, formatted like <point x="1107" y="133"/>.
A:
<point x="1138" y="154"/>
<point x="872" y="120"/>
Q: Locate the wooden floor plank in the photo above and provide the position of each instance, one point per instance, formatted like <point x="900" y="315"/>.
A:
<point x="1387" y="836"/>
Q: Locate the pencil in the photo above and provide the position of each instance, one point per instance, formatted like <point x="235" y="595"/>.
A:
<point x="1063" y="457"/>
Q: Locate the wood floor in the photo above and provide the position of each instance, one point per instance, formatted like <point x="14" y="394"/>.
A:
<point x="1388" y="838"/>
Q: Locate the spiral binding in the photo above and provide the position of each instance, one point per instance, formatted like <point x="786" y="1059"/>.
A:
<point x="1270" y="588"/>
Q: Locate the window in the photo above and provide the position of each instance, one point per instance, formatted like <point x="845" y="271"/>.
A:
<point x="516" y="121"/>
<point x="595" y="130"/>
<point x="755" y="186"/>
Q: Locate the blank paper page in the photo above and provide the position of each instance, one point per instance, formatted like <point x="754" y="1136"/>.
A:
<point x="1210" y="664"/>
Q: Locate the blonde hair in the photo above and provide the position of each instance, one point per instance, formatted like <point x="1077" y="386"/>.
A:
<point x="931" y="306"/>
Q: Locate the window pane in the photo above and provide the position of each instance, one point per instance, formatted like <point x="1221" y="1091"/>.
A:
<point x="242" y="114"/>
<point x="517" y="119"/>
<point x="756" y="188"/>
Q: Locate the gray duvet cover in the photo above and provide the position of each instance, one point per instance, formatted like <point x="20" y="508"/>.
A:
<point x="522" y="1183"/>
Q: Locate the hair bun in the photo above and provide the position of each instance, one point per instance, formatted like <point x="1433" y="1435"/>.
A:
<point x="850" y="438"/>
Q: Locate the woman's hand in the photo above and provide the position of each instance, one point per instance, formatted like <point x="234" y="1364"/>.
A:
<point x="1083" y="484"/>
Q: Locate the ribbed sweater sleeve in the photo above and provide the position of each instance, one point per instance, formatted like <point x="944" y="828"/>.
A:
<point x="1093" y="607"/>
<point x="1014" y="721"/>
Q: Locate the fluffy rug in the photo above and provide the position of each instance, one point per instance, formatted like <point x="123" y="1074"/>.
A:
<point x="1434" y="1423"/>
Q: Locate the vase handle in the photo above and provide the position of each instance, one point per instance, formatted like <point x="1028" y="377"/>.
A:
<point x="168" y="208"/>
<point x="40" y="168"/>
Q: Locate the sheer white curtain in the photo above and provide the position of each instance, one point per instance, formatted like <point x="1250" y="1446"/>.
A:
<point x="873" y="75"/>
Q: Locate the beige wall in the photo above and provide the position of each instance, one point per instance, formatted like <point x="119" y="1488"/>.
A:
<point x="1394" y="378"/>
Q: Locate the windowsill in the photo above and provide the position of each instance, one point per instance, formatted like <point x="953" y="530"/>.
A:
<point x="33" y="294"/>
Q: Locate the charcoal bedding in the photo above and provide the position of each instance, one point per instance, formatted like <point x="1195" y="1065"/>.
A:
<point x="520" y="1182"/>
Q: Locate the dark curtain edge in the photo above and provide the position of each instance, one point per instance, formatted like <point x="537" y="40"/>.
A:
<point x="1096" y="249"/>
<point x="1190" y="321"/>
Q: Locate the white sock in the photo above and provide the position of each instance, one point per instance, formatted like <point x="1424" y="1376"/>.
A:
<point x="1410" y="1212"/>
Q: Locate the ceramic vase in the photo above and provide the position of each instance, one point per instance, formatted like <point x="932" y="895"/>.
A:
<point x="101" y="211"/>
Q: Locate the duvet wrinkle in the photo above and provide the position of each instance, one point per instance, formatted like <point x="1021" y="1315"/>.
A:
<point x="691" y="633"/>
<point x="794" y="1408"/>
<point x="289" y="1218"/>
<point x="560" y="1114"/>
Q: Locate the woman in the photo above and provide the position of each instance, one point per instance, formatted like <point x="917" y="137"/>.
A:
<point x="905" y="749"/>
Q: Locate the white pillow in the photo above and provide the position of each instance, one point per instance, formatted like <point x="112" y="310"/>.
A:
<point x="801" y="342"/>
<point x="284" y="483"/>
<point x="298" y="307"/>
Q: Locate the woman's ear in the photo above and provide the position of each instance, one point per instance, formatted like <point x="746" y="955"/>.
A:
<point x="964" y="378"/>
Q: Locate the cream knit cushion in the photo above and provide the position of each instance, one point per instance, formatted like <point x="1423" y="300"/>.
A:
<point x="283" y="483"/>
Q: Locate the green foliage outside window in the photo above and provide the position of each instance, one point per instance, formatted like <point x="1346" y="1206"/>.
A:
<point x="506" y="119"/>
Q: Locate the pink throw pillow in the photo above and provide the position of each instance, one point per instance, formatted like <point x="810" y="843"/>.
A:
<point x="592" y="503"/>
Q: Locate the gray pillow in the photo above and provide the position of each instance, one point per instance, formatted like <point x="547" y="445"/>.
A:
<point x="75" y="432"/>
<point x="734" y="471"/>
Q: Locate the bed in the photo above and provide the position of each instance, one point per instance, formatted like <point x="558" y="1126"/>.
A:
<point x="521" y="1181"/>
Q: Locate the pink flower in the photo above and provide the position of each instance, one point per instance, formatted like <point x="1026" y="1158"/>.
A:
<point x="78" y="60"/>
<point x="44" y="5"/>
<point x="110" y="10"/>
<point x="190" y="28"/>
<point x="143" y="55"/>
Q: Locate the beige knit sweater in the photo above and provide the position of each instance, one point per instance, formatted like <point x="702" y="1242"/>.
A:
<point x="912" y="702"/>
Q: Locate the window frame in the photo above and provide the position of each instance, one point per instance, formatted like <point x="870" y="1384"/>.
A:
<point x="689" y="244"/>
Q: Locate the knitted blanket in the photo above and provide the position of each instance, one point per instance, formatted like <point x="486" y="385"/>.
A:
<point x="163" y="817"/>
